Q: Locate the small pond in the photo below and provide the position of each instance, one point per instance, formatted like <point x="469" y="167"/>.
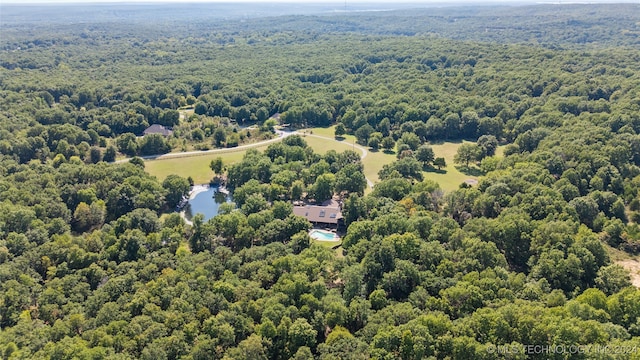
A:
<point x="206" y="202"/>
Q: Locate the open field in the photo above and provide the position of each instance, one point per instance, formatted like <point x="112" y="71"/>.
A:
<point x="450" y="178"/>
<point x="500" y="151"/>
<point x="196" y="166"/>
<point x="373" y="162"/>
<point x="330" y="245"/>
<point x="453" y="177"/>
<point x="321" y="146"/>
<point x="185" y="113"/>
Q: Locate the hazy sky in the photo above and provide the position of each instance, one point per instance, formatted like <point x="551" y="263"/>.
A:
<point x="200" y="1"/>
<point x="251" y="1"/>
<point x="391" y="2"/>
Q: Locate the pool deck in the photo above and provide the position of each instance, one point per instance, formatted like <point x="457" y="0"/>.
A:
<point x="336" y="238"/>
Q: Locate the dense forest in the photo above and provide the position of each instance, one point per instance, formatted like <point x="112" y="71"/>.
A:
<point x="96" y="264"/>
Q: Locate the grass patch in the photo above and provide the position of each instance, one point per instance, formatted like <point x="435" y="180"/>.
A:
<point x="450" y="177"/>
<point x="327" y="244"/>
<point x="196" y="166"/>
<point x="447" y="149"/>
<point x="373" y="162"/>
<point x="322" y="131"/>
<point x="472" y="171"/>
<point x="321" y="146"/>
<point x="619" y="255"/>
<point x="186" y="112"/>
<point x="332" y="245"/>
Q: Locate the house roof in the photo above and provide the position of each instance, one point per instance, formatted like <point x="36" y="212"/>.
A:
<point x="319" y="214"/>
<point x="158" y="129"/>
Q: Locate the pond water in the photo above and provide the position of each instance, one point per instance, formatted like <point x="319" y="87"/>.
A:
<point x="206" y="203"/>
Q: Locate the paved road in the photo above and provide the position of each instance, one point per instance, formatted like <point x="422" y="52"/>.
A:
<point x="281" y="135"/>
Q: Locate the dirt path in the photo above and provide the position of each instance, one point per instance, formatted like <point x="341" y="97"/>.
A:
<point x="362" y="150"/>
<point x="634" y="269"/>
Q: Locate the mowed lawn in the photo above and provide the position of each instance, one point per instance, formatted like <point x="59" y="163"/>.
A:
<point x="449" y="179"/>
<point x="321" y="146"/>
<point x="373" y="162"/>
<point x="196" y="166"/>
<point x="452" y="178"/>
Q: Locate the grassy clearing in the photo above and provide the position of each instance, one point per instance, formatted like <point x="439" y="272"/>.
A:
<point x="321" y="146"/>
<point x="450" y="177"/>
<point x="185" y="113"/>
<point x="197" y="166"/>
<point x="328" y="131"/>
<point x="329" y="245"/>
<point x="633" y="266"/>
<point x="500" y="151"/>
<point x="374" y="161"/>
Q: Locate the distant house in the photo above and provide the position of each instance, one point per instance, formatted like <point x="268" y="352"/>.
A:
<point x="158" y="129"/>
<point x="319" y="214"/>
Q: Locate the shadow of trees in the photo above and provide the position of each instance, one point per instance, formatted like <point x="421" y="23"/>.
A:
<point x="469" y="170"/>
<point x="430" y="169"/>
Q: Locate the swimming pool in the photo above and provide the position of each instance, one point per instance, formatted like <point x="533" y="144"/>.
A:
<point x="323" y="235"/>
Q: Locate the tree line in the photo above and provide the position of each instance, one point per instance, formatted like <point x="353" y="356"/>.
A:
<point x="94" y="263"/>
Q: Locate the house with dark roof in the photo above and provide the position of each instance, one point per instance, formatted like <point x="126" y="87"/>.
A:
<point x="319" y="214"/>
<point x="157" y="129"/>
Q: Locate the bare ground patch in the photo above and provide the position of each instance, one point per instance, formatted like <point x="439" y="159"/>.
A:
<point x="633" y="266"/>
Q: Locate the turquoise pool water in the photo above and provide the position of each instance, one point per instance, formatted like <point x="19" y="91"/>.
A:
<point x="322" y="235"/>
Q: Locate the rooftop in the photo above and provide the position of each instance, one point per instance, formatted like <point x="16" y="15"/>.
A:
<point x="158" y="129"/>
<point x="319" y="214"/>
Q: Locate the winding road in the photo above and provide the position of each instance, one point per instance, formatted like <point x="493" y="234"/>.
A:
<point x="362" y="150"/>
<point x="281" y="135"/>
